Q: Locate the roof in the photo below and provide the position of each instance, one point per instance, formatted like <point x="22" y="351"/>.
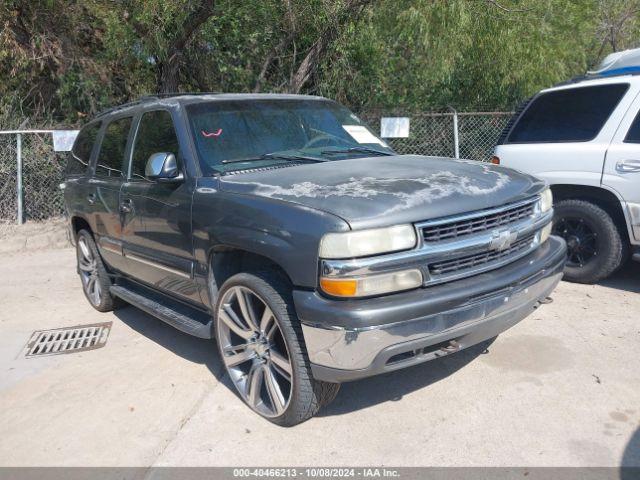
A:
<point x="188" y="98"/>
<point x="618" y="64"/>
<point x="626" y="61"/>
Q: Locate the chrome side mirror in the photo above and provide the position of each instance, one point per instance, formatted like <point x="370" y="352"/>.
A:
<point x="163" y="167"/>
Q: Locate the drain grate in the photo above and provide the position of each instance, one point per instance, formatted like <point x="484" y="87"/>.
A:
<point x="67" y="340"/>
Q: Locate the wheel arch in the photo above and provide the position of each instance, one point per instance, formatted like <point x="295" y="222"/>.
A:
<point x="79" y="223"/>
<point x="225" y="261"/>
<point x="605" y="199"/>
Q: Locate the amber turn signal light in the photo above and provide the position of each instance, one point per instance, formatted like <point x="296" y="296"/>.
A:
<point x="495" y="160"/>
<point x="339" y="287"/>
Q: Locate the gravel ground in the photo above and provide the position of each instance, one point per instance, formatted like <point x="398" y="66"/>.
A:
<point x="562" y="388"/>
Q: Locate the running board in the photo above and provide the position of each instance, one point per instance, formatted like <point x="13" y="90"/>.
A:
<point x="177" y="315"/>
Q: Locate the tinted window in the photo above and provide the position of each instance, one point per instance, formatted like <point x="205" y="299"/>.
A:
<point x="112" y="149"/>
<point x="155" y="134"/>
<point x="574" y="115"/>
<point x="79" y="156"/>
<point x="633" y="135"/>
<point x="234" y="135"/>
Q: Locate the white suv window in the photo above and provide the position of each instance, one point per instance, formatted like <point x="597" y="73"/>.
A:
<point x="633" y="135"/>
<point x="568" y="115"/>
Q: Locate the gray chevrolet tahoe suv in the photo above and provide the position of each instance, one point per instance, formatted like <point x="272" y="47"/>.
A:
<point x="281" y="226"/>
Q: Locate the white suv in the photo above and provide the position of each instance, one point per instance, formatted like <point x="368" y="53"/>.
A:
<point x="583" y="137"/>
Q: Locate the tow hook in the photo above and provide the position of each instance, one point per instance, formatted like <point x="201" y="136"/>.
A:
<point x="544" y="301"/>
<point x="452" y="347"/>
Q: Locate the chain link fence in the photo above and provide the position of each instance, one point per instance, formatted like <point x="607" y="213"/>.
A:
<point x="435" y="133"/>
<point x="42" y="167"/>
<point x="42" y="172"/>
<point x="479" y="132"/>
<point x="8" y="177"/>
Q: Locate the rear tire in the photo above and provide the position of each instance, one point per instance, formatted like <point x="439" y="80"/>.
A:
<point x="595" y="245"/>
<point x="254" y="347"/>
<point x="93" y="274"/>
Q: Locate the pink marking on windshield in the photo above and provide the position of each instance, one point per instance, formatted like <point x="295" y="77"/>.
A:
<point x="211" y="134"/>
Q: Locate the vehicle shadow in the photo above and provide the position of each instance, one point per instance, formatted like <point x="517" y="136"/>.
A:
<point x="630" y="463"/>
<point x="627" y="278"/>
<point x="193" y="349"/>
<point x="394" y="385"/>
<point x="352" y="396"/>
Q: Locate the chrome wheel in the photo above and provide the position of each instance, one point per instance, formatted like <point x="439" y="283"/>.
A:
<point x="254" y="351"/>
<point x="89" y="272"/>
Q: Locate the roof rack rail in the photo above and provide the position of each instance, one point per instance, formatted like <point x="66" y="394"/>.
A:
<point x="116" y="108"/>
<point x="176" y="94"/>
<point x="148" y="98"/>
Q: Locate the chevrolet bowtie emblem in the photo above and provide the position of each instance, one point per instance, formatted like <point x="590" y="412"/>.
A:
<point x="501" y="240"/>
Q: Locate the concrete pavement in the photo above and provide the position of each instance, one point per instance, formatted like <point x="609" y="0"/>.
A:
<point x="562" y="388"/>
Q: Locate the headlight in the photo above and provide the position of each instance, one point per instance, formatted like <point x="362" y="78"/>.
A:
<point x="367" y="242"/>
<point x="546" y="200"/>
<point x="545" y="232"/>
<point x="372" y="285"/>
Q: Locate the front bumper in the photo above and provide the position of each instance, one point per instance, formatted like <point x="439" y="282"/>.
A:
<point x="351" y="339"/>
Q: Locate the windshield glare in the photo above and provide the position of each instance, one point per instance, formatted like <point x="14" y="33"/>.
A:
<point x="228" y="131"/>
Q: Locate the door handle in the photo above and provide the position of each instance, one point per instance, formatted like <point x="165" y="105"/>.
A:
<point x="126" y="206"/>
<point x="91" y="198"/>
<point x="626" y="166"/>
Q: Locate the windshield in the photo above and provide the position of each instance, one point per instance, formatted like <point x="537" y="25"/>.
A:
<point x="239" y="135"/>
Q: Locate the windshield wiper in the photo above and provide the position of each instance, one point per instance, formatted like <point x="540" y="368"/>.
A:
<point x="372" y="151"/>
<point x="277" y="156"/>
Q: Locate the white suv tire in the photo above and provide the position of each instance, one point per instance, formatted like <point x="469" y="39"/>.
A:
<point x="595" y="245"/>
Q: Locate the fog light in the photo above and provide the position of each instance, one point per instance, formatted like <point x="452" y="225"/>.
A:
<point x="372" y="285"/>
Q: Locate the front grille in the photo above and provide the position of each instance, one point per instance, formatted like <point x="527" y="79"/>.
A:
<point x="481" y="223"/>
<point x="447" y="267"/>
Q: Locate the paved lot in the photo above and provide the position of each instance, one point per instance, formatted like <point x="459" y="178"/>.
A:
<point x="560" y="388"/>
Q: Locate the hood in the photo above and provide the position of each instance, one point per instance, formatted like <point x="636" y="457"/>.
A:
<point x="381" y="191"/>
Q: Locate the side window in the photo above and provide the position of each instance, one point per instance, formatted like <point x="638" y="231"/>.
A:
<point x="633" y="135"/>
<point x="155" y="134"/>
<point x="570" y="115"/>
<point x="79" y="156"/>
<point x="112" y="149"/>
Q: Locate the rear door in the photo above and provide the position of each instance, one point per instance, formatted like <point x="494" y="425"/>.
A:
<point x="156" y="231"/>
<point x="76" y="185"/>
<point x="622" y="167"/>
<point x="563" y="134"/>
<point x="103" y="197"/>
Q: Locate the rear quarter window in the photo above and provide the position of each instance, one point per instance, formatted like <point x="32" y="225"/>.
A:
<point x="633" y="135"/>
<point x="570" y="115"/>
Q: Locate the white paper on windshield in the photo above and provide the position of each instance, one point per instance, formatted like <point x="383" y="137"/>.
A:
<point x="394" y="127"/>
<point x="361" y="135"/>
<point x="63" y="139"/>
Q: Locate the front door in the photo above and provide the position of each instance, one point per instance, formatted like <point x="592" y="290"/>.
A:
<point x="156" y="216"/>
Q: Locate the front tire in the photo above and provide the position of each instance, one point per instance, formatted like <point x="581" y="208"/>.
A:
<point x="595" y="246"/>
<point x="261" y="345"/>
